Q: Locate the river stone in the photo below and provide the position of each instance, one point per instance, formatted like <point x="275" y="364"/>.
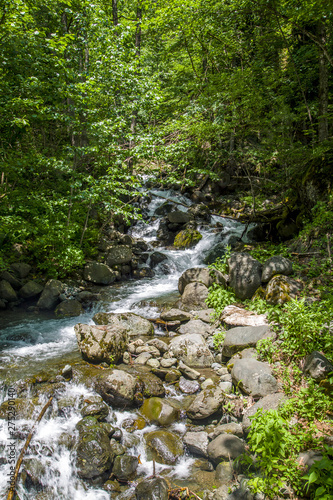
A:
<point x="153" y="363"/>
<point x="197" y="443"/>
<point x="156" y="258"/>
<point x="201" y="275"/>
<point x="68" y="308"/>
<point x="282" y="289"/>
<point x="206" y="403"/>
<point x="165" y="447"/>
<point x="276" y="265"/>
<point x="24" y="408"/>
<point x="253" y="377"/>
<point x="230" y="428"/>
<point x="218" y="251"/>
<point x="187" y="238"/>
<point x="152" y="385"/>
<point x="159" y="344"/>
<point x="132" y="323"/>
<point x="13" y="280"/>
<point x="94" y="454"/>
<point x="239" y="338"/>
<point x="120" y="254"/>
<point x="317" y="366"/>
<point x="188" y="372"/>
<point x="20" y="269"/>
<point x="196" y="326"/>
<point x="143" y="272"/>
<point x="172" y="376"/>
<point x="124" y="467"/>
<point x="117" y="388"/>
<point x="152" y="489"/>
<point x="50" y="295"/>
<point x="224" y="472"/>
<point x="192" y="349"/>
<point x="225" y="447"/>
<point x="31" y="289"/>
<point x="188" y="386"/>
<point x="237" y="316"/>
<point x="99" y="273"/>
<point x="178" y="217"/>
<point x="205" y="315"/>
<point x="244" y="274"/>
<point x="101" y="344"/>
<point x="269" y="402"/>
<point x="97" y="409"/>
<point x="194" y="296"/>
<point x="159" y="412"/>
<point x="168" y="362"/>
<point x="7" y="292"/>
<point x="148" y="348"/>
<point x="175" y="315"/>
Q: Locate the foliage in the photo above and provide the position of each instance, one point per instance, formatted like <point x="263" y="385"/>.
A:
<point x="320" y="476"/>
<point x="219" y="298"/>
<point x="218" y="339"/>
<point x="221" y="263"/>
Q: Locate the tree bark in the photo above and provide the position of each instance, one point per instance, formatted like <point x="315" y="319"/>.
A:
<point x="323" y="86"/>
<point x="115" y="12"/>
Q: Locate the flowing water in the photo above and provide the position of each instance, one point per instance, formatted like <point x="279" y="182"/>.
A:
<point x="32" y="345"/>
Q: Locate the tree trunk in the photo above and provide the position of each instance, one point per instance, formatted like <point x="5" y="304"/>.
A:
<point x="115" y="12"/>
<point x="323" y="87"/>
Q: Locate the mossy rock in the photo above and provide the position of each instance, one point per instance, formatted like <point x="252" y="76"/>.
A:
<point x="187" y="238"/>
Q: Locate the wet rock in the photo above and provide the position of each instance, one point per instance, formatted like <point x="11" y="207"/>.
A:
<point x="282" y="289"/>
<point x="99" y="273"/>
<point x="97" y="409"/>
<point x="159" y="412"/>
<point x="200" y="275"/>
<point x="317" y="366"/>
<point x="276" y="265"/>
<point x="69" y="308"/>
<point x="187" y="238"/>
<point x="31" y="289"/>
<point x="117" y="388"/>
<point x="7" y="292"/>
<point x="134" y="324"/>
<point x="152" y="385"/>
<point x="225" y="447"/>
<point x="152" y="489"/>
<point x="20" y="269"/>
<point x="117" y="448"/>
<point x="50" y="295"/>
<point x="67" y="372"/>
<point x="253" y="377"/>
<point x="101" y="344"/>
<point x="172" y="376"/>
<point x="124" y="467"/>
<point x="164" y="446"/>
<point x="245" y="275"/>
<point x="178" y="217"/>
<point x="24" y="408"/>
<point x="175" y="315"/>
<point x="12" y="279"/>
<point x="94" y="454"/>
<point x="269" y="402"/>
<point x="192" y="349"/>
<point x="188" y="372"/>
<point x="237" y="316"/>
<point x="206" y="403"/>
<point x="239" y="338"/>
<point x="34" y="472"/>
<point x="156" y="258"/>
<point x="197" y="443"/>
<point x="120" y="254"/>
<point x="143" y="272"/>
<point x="188" y="386"/>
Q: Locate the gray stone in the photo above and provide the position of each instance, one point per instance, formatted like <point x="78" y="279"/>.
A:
<point x="101" y="344"/>
<point x="69" y="308"/>
<point x="20" y="269"/>
<point x="153" y="363"/>
<point x="94" y="454"/>
<point x="226" y="387"/>
<point x="188" y="386"/>
<point x="230" y="428"/>
<point x="50" y="295"/>
<point x="117" y="388"/>
<point x="197" y="443"/>
<point x="152" y="489"/>
<point x="12" y="279"/>
<point x="159" y="344"/>
<point x="31" y="289"/>
<point x="224" y="472"/>
<point x="192" y="349"/>
<point x="276" y="265"/>
<point x="164" y="446"/>
<point x="253" y="377"/>
<point x="178" y="217"/>
<point x="206" y="403"/>
<point x="239" y="338"/>
<point x="225" y="447"/>
<point x="97" y="409"/>
<point x="7" y="292"/>
<point x="206" y="315"/>
<point x="308" y="458"/>
<point x="120" y="254"/>
<point x="175" y="315"/>
<point x="188" y="372"/>
<point x="132" y="323"/>
<point x="196" y="326"/>
<point x="167" y="363"/>
<point x="201" y="275"/>
<point x="142" y="358"/>
<point x="269" y="402"/>
<point x="124" y="467"/>
<point x="172" y="376"/>
<point x="194" y="296"/>
<point x="157" y="257"/>
<point x="317" y="366"/>
<point x="99" y="273"/>
<point x="245" y="275"/>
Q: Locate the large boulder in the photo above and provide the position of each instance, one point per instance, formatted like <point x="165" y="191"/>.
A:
<point x="12" y="279"/>
<point x="50" y="295"/>
<point x="68" y="308"/>
<point x="282" y="289"/>
<point x="20" y="269"/>
<point x="101" y="344"/>
<point x="269" y="402"/>
<point x="94" y="456"/>
<point x="276" y="265"/>
<point x="7" y="292"/>
<point x="239" y="338"/>
<point x="253" y="377"/>
<point x="200" y="275"/>
<point x="192" y="349"/>
<point x="178" y="217"/>
<point x="99" y="273"/>
<point x="164" y="446"/>
<point x="132" y="323"/>
<point x="194" y="296"/>
<point x="117" y="388"/>
<point x="120" y="254"/>
<point x="187" y="238"/>
<point x="206" y="403"/>
<point x="156" y="258"/>
<point x="237" y="316"/>
<point x="245" y="274"/>
<point x="317" y="366"/>
<point x="159" y="412"/>
<point x="31" y="289"/>
<point x="225" y="447"/>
